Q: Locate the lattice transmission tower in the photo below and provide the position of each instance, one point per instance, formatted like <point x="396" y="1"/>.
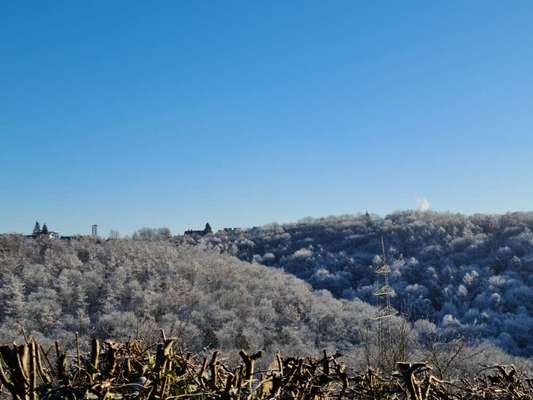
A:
<point x="384" y="292"/>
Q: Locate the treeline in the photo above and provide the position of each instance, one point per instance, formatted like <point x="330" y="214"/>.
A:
<point x="470" y="274"/>
<point x="123" y="289"/>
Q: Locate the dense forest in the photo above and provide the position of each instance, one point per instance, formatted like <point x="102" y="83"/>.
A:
<point x="123" y="289"/>
<point x="468" y="274"/>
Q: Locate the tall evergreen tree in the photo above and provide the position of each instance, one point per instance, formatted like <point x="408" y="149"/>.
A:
<point x="45" y="229"/>
<point x="37" y="228"/>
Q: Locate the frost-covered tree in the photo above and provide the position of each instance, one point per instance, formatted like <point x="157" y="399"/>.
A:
<point x="150" y="234"/>
<point x="12" y="299"/>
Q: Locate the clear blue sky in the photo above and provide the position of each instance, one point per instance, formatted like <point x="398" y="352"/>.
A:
<point x="174" y="113"/>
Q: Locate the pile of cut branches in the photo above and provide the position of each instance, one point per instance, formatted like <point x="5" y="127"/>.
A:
<point x="129" y="370"/>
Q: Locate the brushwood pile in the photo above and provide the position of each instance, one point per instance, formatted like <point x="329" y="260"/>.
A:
<point x="113" y="370"/>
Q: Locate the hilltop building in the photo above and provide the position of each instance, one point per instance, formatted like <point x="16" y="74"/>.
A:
<point x="207" y="230"/>
<point x="43" y="232"/>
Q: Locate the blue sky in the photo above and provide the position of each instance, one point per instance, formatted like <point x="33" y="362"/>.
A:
<point x="174" y="113"/>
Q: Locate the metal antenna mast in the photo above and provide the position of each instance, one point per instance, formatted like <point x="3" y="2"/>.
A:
<point x="385" y="291"/>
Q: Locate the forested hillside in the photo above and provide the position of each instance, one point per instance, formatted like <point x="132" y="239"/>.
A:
<point x="121" y="289"/>
<point x="470" y="274"/>
<point x="124" y="289"/>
